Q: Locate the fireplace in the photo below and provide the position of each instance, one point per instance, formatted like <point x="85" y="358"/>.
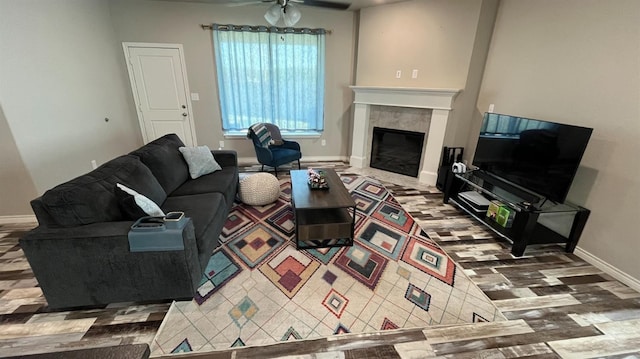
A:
<point x="396" y="151"/>
<point x="439" y="103"/>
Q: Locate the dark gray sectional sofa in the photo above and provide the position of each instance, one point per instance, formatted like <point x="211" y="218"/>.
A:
<point x="80" y="251"/>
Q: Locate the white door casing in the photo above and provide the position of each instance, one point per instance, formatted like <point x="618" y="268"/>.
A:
<point x="158" y="77"/>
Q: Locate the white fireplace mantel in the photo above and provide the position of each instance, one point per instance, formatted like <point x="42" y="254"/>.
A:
<point x="439" y="100"/>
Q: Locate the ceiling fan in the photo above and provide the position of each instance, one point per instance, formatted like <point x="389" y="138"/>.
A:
<point x="286" y="10"/>
<point x="289" y="12"/>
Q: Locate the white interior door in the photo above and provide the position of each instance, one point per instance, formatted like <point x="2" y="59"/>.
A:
<point x="159" y="82"/>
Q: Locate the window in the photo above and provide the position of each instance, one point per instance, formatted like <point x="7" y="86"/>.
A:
<point x="272" y="75"/>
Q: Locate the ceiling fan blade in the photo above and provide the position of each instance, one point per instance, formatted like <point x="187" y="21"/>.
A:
<point x="322" y="3"/>
<point x="235" y="3"/>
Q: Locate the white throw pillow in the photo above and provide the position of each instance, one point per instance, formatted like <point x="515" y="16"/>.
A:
<point x="200" y="160"/>
<point x="148" y="206"/>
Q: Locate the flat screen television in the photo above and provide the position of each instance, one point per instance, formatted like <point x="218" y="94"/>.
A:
<point x="539" y="156"/>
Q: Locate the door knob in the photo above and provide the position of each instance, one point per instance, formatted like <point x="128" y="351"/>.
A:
<point x="184" y="114"/>
<point x="183" y="106"/>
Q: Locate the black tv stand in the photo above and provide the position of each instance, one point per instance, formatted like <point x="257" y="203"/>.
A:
<point x="494" y="180"/>
<point x="526" y="228"/>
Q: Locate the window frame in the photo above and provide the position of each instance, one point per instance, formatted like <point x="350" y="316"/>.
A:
<point x="314" y="125"/>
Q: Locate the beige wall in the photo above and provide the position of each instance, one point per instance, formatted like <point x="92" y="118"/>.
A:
<point x="465" y="105"/>
<point x="578" y="62"/>
<point x="59" y="79"/>
<point x="16" y="186"/>
<point x="433" y="36"/>
<point x="167" y="22"/>
<point x="446" y="41"/>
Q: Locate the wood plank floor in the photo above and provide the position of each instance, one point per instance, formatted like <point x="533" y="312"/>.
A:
<point x="557" y="304"/>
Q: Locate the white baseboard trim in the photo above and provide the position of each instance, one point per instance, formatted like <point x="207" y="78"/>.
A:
<point x="18" y="219"/>
<point x="608" y="268"/>
<point x="245" y="161"/>
<point x="325" y="159"/>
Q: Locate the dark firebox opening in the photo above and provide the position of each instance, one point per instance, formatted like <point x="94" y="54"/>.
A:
<point x="397" y="151"/>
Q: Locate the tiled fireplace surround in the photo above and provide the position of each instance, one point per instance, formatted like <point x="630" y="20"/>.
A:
<point x="410" y="109"/>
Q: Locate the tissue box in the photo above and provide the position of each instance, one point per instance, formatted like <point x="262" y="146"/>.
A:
<point x="505" y="216"/>
<point x="494" y="208"/>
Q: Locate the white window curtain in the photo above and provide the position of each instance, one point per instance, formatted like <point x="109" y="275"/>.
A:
<point x="270" y="75"/>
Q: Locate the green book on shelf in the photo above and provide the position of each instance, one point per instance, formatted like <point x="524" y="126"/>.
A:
<point x="494" y="207"/>
<point x="505" y="216"/>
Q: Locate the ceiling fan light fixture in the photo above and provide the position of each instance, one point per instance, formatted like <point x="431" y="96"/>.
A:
<point x="290" y="14"/>
<point x="273" y="14"/>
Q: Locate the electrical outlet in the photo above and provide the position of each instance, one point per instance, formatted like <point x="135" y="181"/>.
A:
<point x="491" y="108"/>
<point x="324" y="142"/>
<point x="221" y="144"/>
<point x="414" y="74"/>
<point x="398" y="74"/>
<point x="94" y="164"/>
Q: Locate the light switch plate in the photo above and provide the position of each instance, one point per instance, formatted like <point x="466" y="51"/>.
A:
<point x="195" y="96"/>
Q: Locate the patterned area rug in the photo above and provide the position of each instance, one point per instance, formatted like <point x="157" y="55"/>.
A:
<point x="258" y="289"/>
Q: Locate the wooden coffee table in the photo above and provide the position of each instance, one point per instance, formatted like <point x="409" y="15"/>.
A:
<point x="323" y="217"/>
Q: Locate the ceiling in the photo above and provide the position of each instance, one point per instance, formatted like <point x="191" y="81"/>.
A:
<point x="354" y="4"/>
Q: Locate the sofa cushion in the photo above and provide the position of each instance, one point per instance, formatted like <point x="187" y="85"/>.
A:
<point x="135" y="205"/>
<point x="165" y="161"/>
<point x="90" y="198"/>
<point x="200" y="160"/>
<point x="224" y="181"/>
<point x="208" y="213"/>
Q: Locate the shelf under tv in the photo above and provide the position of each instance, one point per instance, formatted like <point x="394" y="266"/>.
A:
<point x="526" y="228"/>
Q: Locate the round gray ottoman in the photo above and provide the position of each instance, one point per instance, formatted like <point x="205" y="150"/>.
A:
<point x="259" y="189"/>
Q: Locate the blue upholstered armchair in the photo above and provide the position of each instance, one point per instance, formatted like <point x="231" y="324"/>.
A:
<point x="273" y="154"/>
